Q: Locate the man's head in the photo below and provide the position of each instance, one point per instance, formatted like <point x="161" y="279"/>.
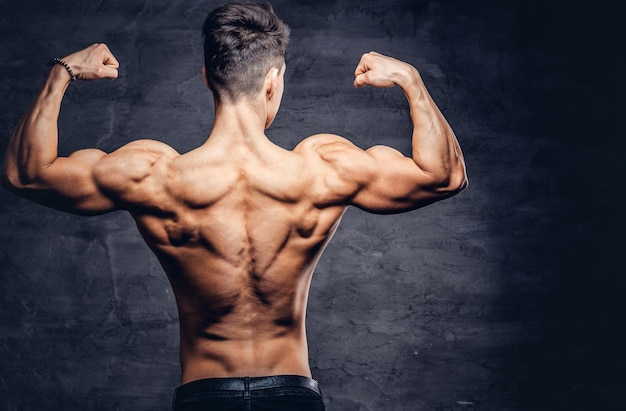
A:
<point x="242" y="43"/>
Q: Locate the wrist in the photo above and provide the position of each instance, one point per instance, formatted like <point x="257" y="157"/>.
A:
<point x="411" y="82"/>
<point x="57" y="63"/>
<point x="57" y="82"/>
<point x="409" y="76"/>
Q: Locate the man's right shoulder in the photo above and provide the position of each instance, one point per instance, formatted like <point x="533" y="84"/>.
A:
<point x="341" y="167"/>
<point x="319" y="139"/>
<point x="315" y="141"/>
<point x="331" y="149"/>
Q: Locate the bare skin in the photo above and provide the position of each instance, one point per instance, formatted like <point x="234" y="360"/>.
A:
<point x="239" y="223"/>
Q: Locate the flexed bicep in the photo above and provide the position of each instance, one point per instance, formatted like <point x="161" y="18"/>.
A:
<point x="68" y="184"/>
<point x="397" y="185"/>
<point x="378" y="180"/>
<point x="436" y="168"/>
<point x="32" y="167"/>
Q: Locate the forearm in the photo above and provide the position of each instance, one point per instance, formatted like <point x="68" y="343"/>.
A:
<point x="435" y="148"/>
<point x="34" y="143"/>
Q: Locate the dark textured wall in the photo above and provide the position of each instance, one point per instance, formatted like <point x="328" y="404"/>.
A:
<point x="506" y="297"/>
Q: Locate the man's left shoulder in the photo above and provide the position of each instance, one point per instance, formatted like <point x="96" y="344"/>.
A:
<point x="131" y="164"/>
<point x="153" y="146"/>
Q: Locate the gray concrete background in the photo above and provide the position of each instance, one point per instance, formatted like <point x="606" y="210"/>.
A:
<point x="506" y="297"/>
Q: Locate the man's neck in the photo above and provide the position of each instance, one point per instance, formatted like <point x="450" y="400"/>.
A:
<point x="241" y="123"/>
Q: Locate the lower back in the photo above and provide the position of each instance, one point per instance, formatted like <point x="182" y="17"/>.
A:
<point x="258" y="354"/>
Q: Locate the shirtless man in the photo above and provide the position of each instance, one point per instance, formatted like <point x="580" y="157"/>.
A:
<point x="238" y="223"/>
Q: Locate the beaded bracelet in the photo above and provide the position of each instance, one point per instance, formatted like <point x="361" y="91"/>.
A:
<point x="57" y="60"/>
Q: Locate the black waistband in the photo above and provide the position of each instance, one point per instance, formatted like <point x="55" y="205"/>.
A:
<point x="245" y="384"/>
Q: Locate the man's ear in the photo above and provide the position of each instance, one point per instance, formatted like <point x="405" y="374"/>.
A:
<point x="271" y="82"/>
<point x="206" y="82"/>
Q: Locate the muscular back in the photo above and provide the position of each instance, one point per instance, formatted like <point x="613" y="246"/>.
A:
<point x="237" y="224"/>
<point x="239" y="234"/>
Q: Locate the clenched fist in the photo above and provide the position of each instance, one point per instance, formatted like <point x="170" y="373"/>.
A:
<point x="93" y="63"/>
<point x="378" y="70"/>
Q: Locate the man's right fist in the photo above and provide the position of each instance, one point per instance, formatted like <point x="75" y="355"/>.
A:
<point x="378" y="70"/>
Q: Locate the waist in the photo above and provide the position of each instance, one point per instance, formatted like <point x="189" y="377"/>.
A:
<point x="245" y="385"/>
<point x="203" y="358"/>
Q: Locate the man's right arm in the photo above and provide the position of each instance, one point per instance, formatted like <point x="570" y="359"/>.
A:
<point x="381" y="179"/>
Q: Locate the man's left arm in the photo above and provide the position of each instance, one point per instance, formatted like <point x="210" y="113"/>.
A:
<point x="32" y="168"/>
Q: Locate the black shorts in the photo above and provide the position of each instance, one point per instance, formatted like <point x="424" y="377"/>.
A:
<point x="280" y="392"/>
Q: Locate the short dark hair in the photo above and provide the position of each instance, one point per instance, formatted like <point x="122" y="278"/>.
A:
<point x="242" y="42"/>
